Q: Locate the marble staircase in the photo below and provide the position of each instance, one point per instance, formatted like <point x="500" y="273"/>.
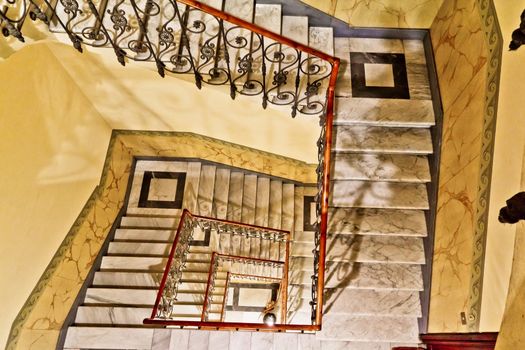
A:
<point x="380" y="174"/>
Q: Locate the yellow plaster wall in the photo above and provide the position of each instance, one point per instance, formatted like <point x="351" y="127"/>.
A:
<point x="511" y="334"/>
<point x="506" y="173"/>
<point x="461" y="59"/>
<point x="381" y="13"/>
<point x="52" y="148"/>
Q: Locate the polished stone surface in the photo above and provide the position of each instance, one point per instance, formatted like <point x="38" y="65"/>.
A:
<point x="367" y="194"/>
<point x="377" y="222"/>
<point x="385" y="112"/>
<point x="381" y="167"/>
<point x="379" y="139"/>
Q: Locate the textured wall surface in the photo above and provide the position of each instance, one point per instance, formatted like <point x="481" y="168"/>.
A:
<point x="381" y="13"/>
<point x="461" y="60"/>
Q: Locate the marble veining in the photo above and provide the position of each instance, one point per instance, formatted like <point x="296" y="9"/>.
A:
<point x="463" y="98"/>
<point x="322" y="39"/>
<point x="268" y="17"/>
<point x="381" y="167"/>
<point x="389" y="112"/>
<point x="369" y="328"/>
<point x="379" y="139"/>
<point x="366" y="194"/>
<point x="377" y="222"/>
<point x="366" y="276"/>
<point x="120" y="296"/>
<point x="358" y="248"/>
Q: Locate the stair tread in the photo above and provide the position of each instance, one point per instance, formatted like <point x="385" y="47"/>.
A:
<point x="150" y="222"/>
<point x="322" y="39"/>
<point x="375" y="249"/>
<point x="361" y="138"/>
<point x="371" y="194"/>
<point x="377" y="221"/>
<point x="242" y="9"/>
<point x="268" y="16"/>
<point x="108" y="338"/>
<point x="130" y="279"/>
<point x="384" y="112"/>
<point x="359" y="275"/>
<point x="362" y="302"/>
<point x="296" y="28"/>
<point x="369" y="328"/>
<point x="380" y="167"/>
<point x="117" y="315"/>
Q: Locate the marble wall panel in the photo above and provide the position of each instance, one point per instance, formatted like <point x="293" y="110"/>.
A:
<point x="41" y="319"/>
<point x="462" y="74"/>
<point x="381" y="13"/>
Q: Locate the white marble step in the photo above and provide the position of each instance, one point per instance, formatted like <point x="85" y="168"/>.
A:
<point x="384" y="112"/>
<point x="322" y="39"/>
<point x="359" y="275"/>
<point x="373" y="249"/>
<point x="369" y="328"/>
<point x="144" y="235"/>
<point x="139" y="248"/>
<point x="108" y="338"/>
<point x="375" y="139"/>
<point x="140" y="280"/>
<point x="392" y="222"/>
<point x="114" y="315"/>
<point x="370" y="194"/>
<point x="146" y="263"/>
<point x="380" y="167"/>
<point x="243" y="9"/>
<point x="181" y="339"/>
<point x="366" y="302"/>
<point x="206" y="188"/>
<point x="268" y="16"/>
<point x="102" y="296"/>
<point x="295" y="28"/>
<point x="150" y="222"/>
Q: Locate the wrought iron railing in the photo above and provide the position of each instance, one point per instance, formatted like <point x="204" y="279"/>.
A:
<point x="188" y="37"/>
<point x="279" y="268"/>
<point x="165" y="308"/>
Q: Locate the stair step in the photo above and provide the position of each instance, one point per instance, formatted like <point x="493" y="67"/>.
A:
<point x="150" y="222"/>
<point x="387" y="195"/>
<point x="144" y="235"/>
<point x="369" y="328"/>
<point x="296" y="28"/>
<point x="120" y="296"/>
<point x="114" y="315"/>
<point x="143" y="297"/>
<point x="373" y="249"/>
<point x="361" y="302"/>
<point x="374" y="139"/>
<point x="268" y="16"/>
<point x="134" y="279"/>
<point x="392" y="222"/>
<point x="380" y="167"/>
<point x="359" y="275"/>
<point x="220" y="193"/>
<point x="206" y="188"/>
<point x="145" y="263"/>
<point x="322" y="39"/>
<point x="384" y="112"/>
<point x="108" y="338"/>
<point x="121" y="248"/>
<point x="242" y="9"/>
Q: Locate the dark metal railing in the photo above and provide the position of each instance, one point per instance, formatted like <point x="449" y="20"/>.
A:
<point x="189" y="37"/>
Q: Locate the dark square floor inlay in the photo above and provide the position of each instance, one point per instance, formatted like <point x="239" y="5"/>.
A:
<point x="358" y="60"/>
<point x="309" y="217"/>
<point x="163" y="180"/>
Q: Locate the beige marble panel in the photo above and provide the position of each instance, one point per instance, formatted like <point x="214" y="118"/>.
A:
<point x="51" y="301"/>
<point x="462" y="70"/>
<point x="381" y="13"/>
